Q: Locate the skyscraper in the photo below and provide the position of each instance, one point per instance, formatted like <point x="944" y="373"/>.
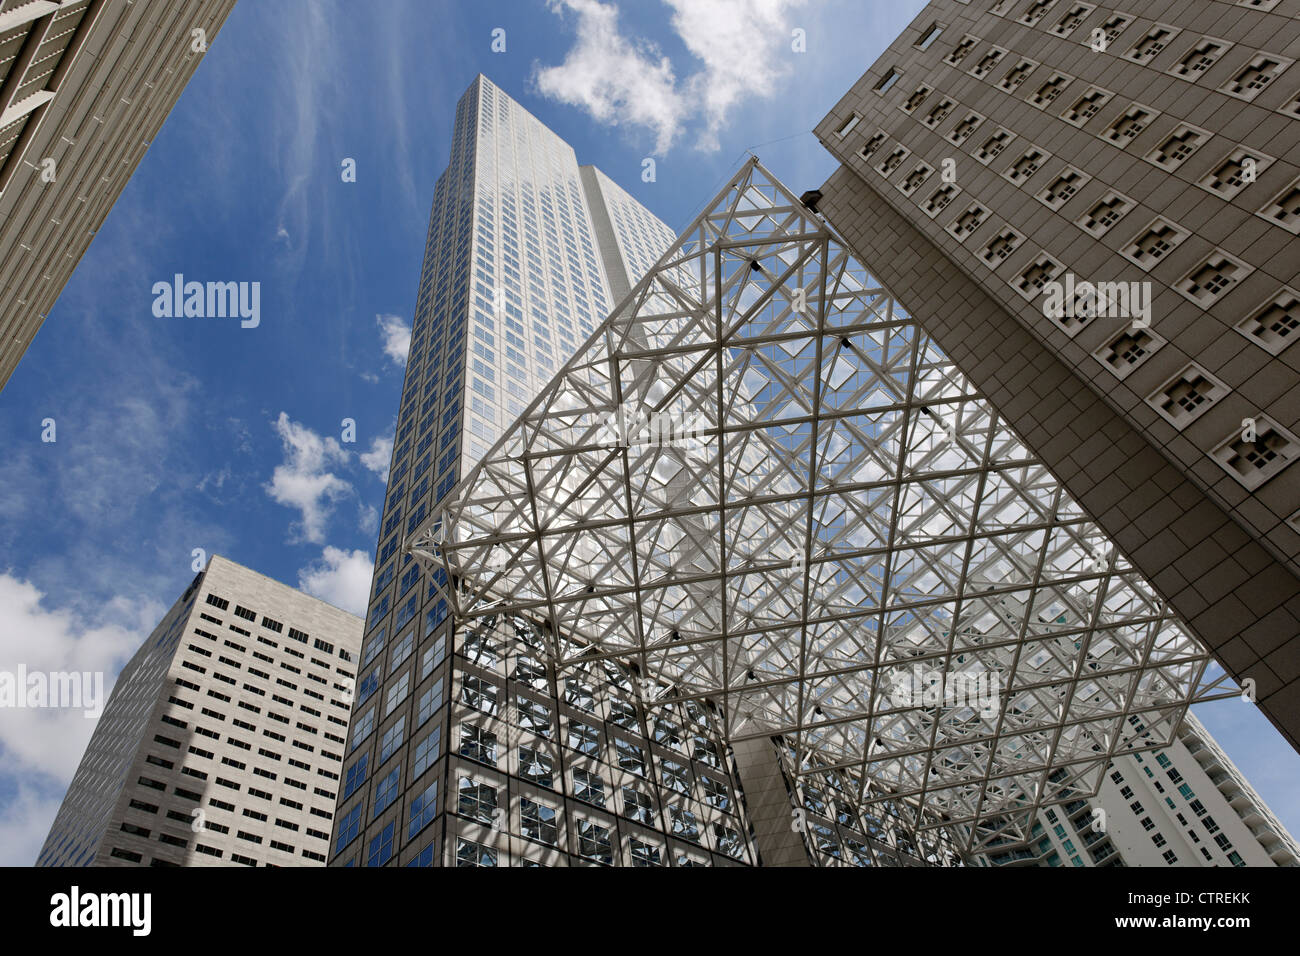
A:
<point x="84" y="86"/>
<point x="1183" y="805"/>
<point x="1095" y="211"/>
<point x="222" y="741"/>
<point x="465" y="749"/>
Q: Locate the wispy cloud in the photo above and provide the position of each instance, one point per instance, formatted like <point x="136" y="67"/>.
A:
<point x="739" y="47"/>
<point x="304" y="480"/>
<point x="341" y="578"/>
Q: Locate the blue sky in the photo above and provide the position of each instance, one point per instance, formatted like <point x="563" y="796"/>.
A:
<point x="177" y="434"/>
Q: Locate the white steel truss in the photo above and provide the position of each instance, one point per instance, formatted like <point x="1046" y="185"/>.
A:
<point x="760" y="483"/>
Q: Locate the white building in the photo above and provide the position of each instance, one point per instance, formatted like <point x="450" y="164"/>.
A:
<point x="222" y="741"/>
<point x="1182" y="805"/>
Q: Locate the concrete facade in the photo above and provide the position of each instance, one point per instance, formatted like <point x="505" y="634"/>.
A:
<point x="999" y="147"/>
<point x="222" y="741"/>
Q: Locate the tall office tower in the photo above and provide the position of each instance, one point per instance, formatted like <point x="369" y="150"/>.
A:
<point x="84" y="87"/>
<point x="465" y="748"/>
<point x="1002" y="159"/>
<point x="1181" y="805"/>
<point x="222" y="741"/>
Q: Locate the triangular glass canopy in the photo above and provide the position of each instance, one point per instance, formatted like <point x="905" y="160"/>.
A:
<point x="763" y="485"/>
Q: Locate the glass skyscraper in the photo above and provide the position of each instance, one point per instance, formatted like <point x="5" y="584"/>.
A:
<point x="464" y="749"/>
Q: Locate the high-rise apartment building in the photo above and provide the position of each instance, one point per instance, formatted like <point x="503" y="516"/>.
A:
<point x="1183" y="805"/>
<point x="222" y="742"/>
<point x="1094" y="208"/>
<point x="465" y="747"/>
<point x="84" y="87"/>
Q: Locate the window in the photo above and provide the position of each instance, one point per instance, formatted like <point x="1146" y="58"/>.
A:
<point x="630" y="756"/>
<point x="349" y="827"/>
<point x="1128" y="125"/>
<point x="1150" y="46"/>
<point x="675" y="776"/>
<point x="478" y="744"/>
<point x="886" y="83"/>
<point x="1213" y="278"/>
<point x="1273" y="327"/>
<point x="729" y="841"/>
<point x="430" y="702"/>
<point x="1122" y="354"/>
<point x="1240" y="169"/>
<point x="1284" y="210"/>
<point x="1259" y="73"/>
<point x="533" y="716"/>
<point x="1178" y="146"/>
<point x="536" y="766"/>
<point x="381" y="846"/>
<point x="928" y="36"/>
<point x="391" y="740"/>
<point x="478" y="801"/>
<point x="426" y="752"/>
<point x="593" y="842"/>
<point x="423" y="809"/>
<point x="1203" y="55"/>
<point x="469" y="853"/>
<point x="848" y="126"/>
<point x="646" y="854"/>
<point x="961" y="50"/>
<point x="584" y="738"/>
<point x="1039" y="272"/>
<point x="1087" y="106"/>
<point x="397" y="693"/>
<point x="386" y="790"/>
<point x="538" y="821"/>
<point x="637" y="806"/>
<point x="892" y="161"/>
<point x="589" y="787"/>
<point x="479" y="694"/>
<point x="683" y="823"/>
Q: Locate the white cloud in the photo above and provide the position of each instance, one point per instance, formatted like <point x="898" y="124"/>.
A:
<point x="41" y="747"/>
<point x="340" y="578"/>
<point x="304" y="482"/>
<point x="379" y="456"/>
<point x="397" y="338"/>
<point x="620" y="83"/>
<point x="744" y="46"/>
<point x="742" y="49"/>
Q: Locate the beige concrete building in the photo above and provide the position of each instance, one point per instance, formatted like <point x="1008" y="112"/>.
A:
<point x="84" y="87"/>
<point x="1001" y="161"/>
<point x="222" y="741"/>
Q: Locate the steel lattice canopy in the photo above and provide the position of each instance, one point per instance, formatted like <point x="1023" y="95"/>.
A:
<point x="761" y="483"/>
